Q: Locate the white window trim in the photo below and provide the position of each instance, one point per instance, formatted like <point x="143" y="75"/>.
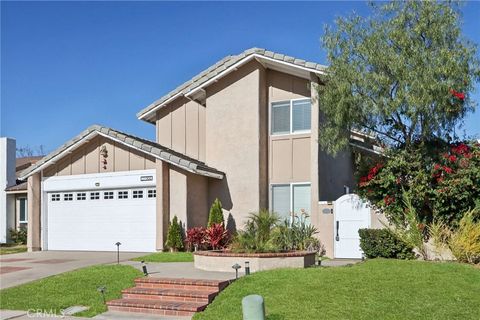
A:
<point x="291" y="118"/>
<point x="19" y="210"/>
<point x="290" y="184"/>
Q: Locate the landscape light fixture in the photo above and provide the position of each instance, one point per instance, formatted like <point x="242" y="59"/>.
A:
<point x="144" y="268"/>
<point x="118" y="252"/>
<point x="247" y="268"/>
<point x="236" y="266"/>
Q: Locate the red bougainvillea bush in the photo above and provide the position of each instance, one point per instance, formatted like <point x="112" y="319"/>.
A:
<point x="442" y="180"/>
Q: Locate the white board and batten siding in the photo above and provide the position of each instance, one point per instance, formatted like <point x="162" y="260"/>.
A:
<point x="350" y="214"/>
<point x="91" y="212"/>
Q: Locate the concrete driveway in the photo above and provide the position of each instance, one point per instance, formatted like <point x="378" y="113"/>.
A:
<point x="24" y="267"/>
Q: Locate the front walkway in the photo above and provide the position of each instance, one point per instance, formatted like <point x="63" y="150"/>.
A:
<point x="182" y="270"/>
<point x="109" y="315"/>
<point x="19" y="268"/>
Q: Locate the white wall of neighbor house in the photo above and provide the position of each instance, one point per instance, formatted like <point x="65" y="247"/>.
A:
<point x="7" y="179"/>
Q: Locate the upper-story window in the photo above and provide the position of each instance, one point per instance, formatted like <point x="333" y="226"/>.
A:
<point x="291" y="116"/>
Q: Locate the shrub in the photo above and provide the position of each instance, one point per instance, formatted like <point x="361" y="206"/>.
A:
<point x="409" y="228"/>
<point x="294" y="234"/>
<point x="216" y="236"/>
<point x="256" y="236"/>
<point x="216" y="213"/>
<point x="382" y="243"/>
<point x="19" y="236"/>
<point x="264" y="233"/>
<point x="465" y="240"/>
<point x="195" y="238"/>
<point x="174" y="236"/>
<point x="445" y="179"/>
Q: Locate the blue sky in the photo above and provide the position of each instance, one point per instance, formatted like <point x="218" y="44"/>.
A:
<point x="67" y="65"/>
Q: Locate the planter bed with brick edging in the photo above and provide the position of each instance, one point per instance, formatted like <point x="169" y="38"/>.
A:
<point x="224" y="260"/>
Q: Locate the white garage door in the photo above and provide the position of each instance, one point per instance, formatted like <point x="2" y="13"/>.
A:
<point x="96" y="219"/>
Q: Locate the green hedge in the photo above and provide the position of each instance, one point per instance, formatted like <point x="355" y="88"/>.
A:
<point x="382" y="243"/>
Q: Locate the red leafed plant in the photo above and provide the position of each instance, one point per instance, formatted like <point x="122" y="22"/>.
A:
<point x="195" y="238"/>
<point x="217" y="236"/>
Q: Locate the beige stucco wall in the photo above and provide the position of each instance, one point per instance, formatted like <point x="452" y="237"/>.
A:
<point x="325" y="226"/>
<point x="178" y="195"/>
<point x="197" y="200"/>
<point x="188" y="198"/>
<point x="233" y="134"/>
<point x="181" y="127"/>
<point x="34" y="207"/>
<point x="87" y="159"/>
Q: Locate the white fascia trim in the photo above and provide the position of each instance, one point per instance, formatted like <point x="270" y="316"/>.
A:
<point x="158" y="106"/>
<point x="371" y="136"/>
<point x="201" y="172"/>
<point x="223" y="73"/>
<point x="366" y="149"/>
<point x="61" y="154"/>
<point x="16" y="192"/>
<point x="290" y="64"/>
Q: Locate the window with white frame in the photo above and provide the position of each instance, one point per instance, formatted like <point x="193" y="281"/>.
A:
<point x="137" y="194"/>
<point x="291" y="116"/>
<point x="152" y="193"/>
<point x="94" y="195"/>
<point x="67" y="196"/>
<point x="108" y="195"/>
<point x="55" y="197"/>
<point x="291" y="197"/>
<point x="81" y="196"/>
<point x="23" y="208"/>
<point x="122" y="194"/>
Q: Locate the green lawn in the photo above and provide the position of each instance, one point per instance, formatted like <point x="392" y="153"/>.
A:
<point x="72" y="288"/>
<point x="376" y="289"/>
<point x="167" y="257"/>
<point x="12" y="249"/>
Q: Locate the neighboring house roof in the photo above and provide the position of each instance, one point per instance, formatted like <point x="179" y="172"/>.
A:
<point x="146" y="146"/>
<point x="18" y="188"/>
<point x="20" y="165"/>
<point x="225" y="66"/>
<point x="25" y="162"/>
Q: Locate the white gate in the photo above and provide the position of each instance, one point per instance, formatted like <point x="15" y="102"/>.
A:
<point x="351" y="214"/>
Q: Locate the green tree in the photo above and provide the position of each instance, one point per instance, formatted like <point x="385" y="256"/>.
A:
<point x="174" y="236"/>
<point x="216" y="213"/>
<point x="403" y="74"/>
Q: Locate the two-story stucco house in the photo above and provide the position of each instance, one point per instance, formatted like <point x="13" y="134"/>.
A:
<point x="244" y="131"/>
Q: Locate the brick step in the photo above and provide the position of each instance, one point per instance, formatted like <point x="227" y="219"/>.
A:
<point x="169" y="294"/>
<point x="167" y="308"/>
<point x="181" y="283"/>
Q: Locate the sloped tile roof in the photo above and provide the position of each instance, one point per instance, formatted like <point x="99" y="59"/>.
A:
<point x="154" y="149"/>
<point x="223" y="64"/>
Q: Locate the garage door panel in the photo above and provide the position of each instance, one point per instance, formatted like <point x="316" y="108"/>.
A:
<point x="98" y="224"/>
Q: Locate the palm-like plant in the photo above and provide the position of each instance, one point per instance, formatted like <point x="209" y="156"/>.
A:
<point x="263" y="223"/>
